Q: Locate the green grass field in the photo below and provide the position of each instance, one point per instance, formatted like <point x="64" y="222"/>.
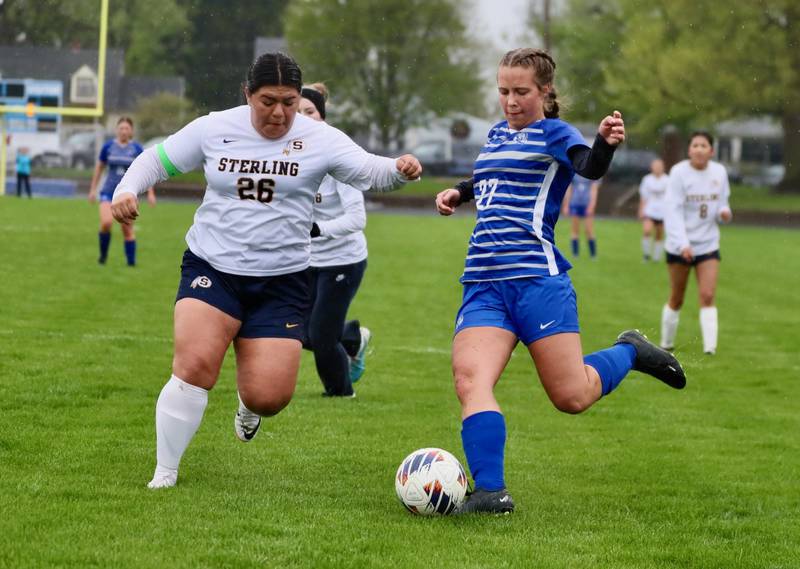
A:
<point x="648" y="478"/>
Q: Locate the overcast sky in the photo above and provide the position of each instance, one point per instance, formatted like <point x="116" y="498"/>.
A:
<point x="504" y="20"/>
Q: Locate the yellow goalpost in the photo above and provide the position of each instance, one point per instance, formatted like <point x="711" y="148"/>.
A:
<point x="32" y="110"/>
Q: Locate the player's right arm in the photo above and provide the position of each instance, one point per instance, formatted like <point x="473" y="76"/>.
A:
<point x="674" y="220"/>
<point x="98" y="172"/>
<point x="448" y="200"/>
<point x="181" y="152"/>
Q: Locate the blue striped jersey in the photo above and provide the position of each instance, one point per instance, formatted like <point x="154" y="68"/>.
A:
<point x="520" y="179"/>
<point x="581" y="191"/>
<point x="118" y="157"/>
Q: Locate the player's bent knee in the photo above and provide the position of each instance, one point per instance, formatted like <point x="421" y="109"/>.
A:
<point x="570" y="403"/>
<point x="266" y="405"/>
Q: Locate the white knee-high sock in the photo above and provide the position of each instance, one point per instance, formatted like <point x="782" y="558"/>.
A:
<point x="658" y="250"/>
<point x="179" y="412"/>
<point x="669" y="326"/>
<point x="646" y="247"/>
<point x="708" y="327"/>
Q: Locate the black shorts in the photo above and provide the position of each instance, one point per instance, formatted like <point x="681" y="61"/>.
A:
<point x="678" y="260"/>
<point x="655" y="221"/>
<point x="268" y="307"/>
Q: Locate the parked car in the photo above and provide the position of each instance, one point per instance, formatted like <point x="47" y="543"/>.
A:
<point x="80" y="150"/>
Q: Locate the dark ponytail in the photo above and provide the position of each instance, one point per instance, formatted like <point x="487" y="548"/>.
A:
<point x="272" y="70"/>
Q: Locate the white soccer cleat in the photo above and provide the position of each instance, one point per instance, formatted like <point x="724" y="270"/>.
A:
<point x="246" y="423"/>
<point x="358" y="363"/>
<point x="163" y="479"/>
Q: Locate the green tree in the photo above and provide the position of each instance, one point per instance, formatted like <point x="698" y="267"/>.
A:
<point x="220" y="46"/>
<point x="49" y="22"/>
<point x="691" y="62"/>
<point x="162" y="114"/>
<point x="152" y="34"/>
<point x="392" y="62"/>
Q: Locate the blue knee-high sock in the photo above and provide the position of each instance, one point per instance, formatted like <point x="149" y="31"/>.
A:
<point x="574" y="243"/>
<point x="484" y="438"/>
<point x="592" y="247"/>
<point x="130" y="252"/>
<point x="105" y="240"/>
<point x="612" y="364"/>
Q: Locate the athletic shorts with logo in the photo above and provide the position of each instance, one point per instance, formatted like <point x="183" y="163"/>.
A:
<point x="532" y="308"/>
<point x="268" y="307"/>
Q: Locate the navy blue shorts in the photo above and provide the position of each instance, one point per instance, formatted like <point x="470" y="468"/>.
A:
<point x="267" y="307"/>
<point x="678" y="260"/>
<point x="532" y="308"/>
<point x="106" y="197"/>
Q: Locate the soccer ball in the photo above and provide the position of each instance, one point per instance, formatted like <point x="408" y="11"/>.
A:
<point x="431" y="481"/>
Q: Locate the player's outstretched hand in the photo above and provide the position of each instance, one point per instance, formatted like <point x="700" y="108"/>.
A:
<point x="125" y="208"/>
<point x="447" y="201"/>
<point x="409" y="166"/>
<point x="612" y="129"/>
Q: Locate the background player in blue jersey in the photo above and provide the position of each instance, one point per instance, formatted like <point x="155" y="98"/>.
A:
<point x="579" y="203"/>
<point x="117" y="155"/>
<point x="515" y="283"/>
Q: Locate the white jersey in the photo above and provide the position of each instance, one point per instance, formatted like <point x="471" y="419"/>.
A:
<point x="256" y="214"/>
<point x="340" y="214"/>
<point x="652" y="191"/>
<point x="694" y="201"/>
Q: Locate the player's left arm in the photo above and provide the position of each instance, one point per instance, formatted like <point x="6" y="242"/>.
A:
<point x="352" y="165"/>
<point x="595" y="190"/>
<point x="725" y="214"/>
<point x="353" y="219"/>
<point x="593" y="163"/>
<point x="566" y="200"/>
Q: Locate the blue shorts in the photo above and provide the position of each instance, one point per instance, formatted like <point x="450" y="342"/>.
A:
<point x="578" y="210"/>
<point x="532" y="308"/>
<point x="268" y="307"/>
<point x="106" y="196"/>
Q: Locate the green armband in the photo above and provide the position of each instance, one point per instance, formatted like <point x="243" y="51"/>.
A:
<point x="166" y="162"/>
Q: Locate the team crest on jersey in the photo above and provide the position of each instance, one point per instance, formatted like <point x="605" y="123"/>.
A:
<point x="293" y="145"/>
<point x="521" y="137"/>
<point x="202" y="282"/>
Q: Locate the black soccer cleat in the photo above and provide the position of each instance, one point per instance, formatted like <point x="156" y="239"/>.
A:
<point x="652" y="360"/>
<point x="485" y="501"/>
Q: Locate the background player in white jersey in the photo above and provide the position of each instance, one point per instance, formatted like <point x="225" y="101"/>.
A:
<point x="338" y="262"/>
<point x="244" y="277"/>
<point x="579" y="203"/>
<point x="652" y="190"/>
<point x="696" y="202"/>
<point x="117" y="155"/>
<point x="515" y="283"/>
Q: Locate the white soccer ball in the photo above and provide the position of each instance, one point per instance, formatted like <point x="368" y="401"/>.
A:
<point x="431" y="481"/>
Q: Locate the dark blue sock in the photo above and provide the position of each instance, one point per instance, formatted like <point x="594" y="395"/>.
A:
<point x="612" y="364"/>
<point x="592" y="247"/>
<point x="574" y="244"/>
<point x="105" y="240"/>
<point x="484" y="438"/>
<point x="130" y="252"/>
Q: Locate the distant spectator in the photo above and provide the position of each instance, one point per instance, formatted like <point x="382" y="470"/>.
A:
<point x="23" y="172"/>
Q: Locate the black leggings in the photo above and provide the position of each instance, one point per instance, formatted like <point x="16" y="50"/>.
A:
<point x="328" y="336"/>
<point x="23" y="180"/>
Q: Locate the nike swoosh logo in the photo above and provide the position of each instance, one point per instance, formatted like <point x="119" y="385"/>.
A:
<point x="226" y="141"/>
<point x="543" y="326"/>
<point x="292" y="325"/>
